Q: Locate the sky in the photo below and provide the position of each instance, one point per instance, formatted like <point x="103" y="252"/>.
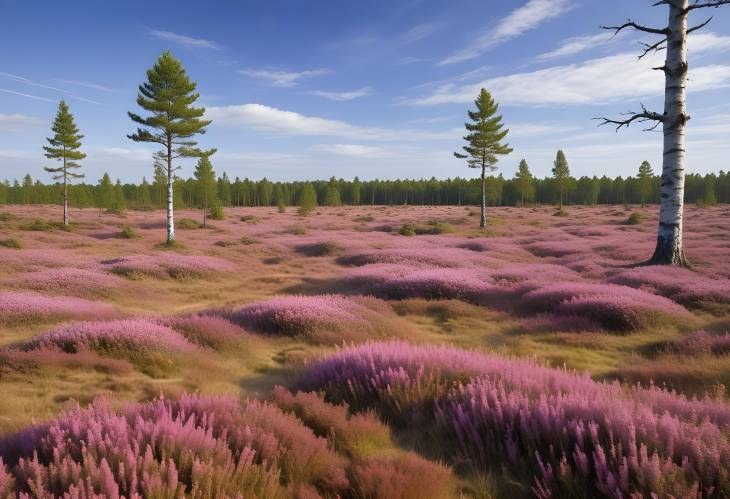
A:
<point x="379" y="89"/>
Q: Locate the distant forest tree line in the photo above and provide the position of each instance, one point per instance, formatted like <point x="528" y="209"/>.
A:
<point x="115" y="196"/>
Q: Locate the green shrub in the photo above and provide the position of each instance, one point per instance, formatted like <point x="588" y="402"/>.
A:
<point x="319" y="249"/>
<point x="250" y="219"/>
<point x="187" y="224"/>
<point x="407" y="230"/>
<point x="11" y="242"/>
<point x="281" y="206"/>
<point x="248" y="240"/>
<point x="296" y="230"/>
<point x="634" y="219"/>
<point x="128" y="232"/>
<point x="38" y="225"/>
<point x="6" y="217"/>
<point x="560" y="213"/>
<point x="216" y="212"/>
<point x="434" y="227"/>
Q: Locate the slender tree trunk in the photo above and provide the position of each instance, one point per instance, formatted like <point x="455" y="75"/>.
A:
<point x="170" y="220"/>
<point x="669" y="239"/>
<point x="561" y="199"/>
<point x="483" y="215"/>
<point x="205" y="209"/>
<point x="522" y="201"/>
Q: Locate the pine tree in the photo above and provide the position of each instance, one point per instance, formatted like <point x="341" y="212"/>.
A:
<point x="169" y="95"/>
<point x="710" y="198"/>
<point x="356" y="187"/>
<point x="524" y="182"/>
<point x="645" y="176"/>
<point x="561" y="174"/>
<point x="120" y="202"/>
<point x="145" y="196"/>
<point x="484" y="141"/>
<point x="205" y="185"/>
<point x="332" y="194"/>
<point x="27" y="189"/>
<point x="105" y="193"/>
<point x="307" y="199"/>
<point x="64" y="146"/>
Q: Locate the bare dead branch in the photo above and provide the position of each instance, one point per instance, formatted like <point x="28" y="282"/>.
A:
<point x="707" y="5"/>
<point x="638" y="27"/>
<point x="656" y="47"/>
<point x="699" y="26"/>
<point x="641" y="117"/>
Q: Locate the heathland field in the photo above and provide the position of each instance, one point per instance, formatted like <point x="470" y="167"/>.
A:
<point x="363" y="352"/>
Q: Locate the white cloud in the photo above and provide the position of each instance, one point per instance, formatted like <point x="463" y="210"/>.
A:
<point x="578" y="44"/>
<point x="519" y="130"/>
<point x="137" y="155"/>
<point x="707" y="42"/>
<point x="185" y="41"/>
<point x="17" y="122"/>
<point x="595" y="81"/>
<point x="25" y="81"/>
<point x="87" y="84"/>
<point x="525" y="18"/>
<point x="350" y="150"/>
<point x="282" y="78"/>
<point x="21" y="94"/>
<point x="419" y="32"/>
<point x="261" y="118"/>
<point x="343" y="96"/>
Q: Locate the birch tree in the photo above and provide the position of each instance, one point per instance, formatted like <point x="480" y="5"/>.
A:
<point x="168" y="95"/>
<point x="64" y="146"/>
<point x="673" y="40"/>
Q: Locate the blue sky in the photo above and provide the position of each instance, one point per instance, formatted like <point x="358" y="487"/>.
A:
<point x="311" y="89"/>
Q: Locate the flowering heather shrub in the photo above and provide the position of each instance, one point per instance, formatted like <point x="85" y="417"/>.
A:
<point x="36" y="259"/>
<point x="379" y="470"/>
<point x="69" y="280"/>
<point x="701" y="343"/>
<point x="25" y="308"/>
<point x="437" y="257"/>
<point x="559" y="432"/>
<point x="197" y="446"/>
<point x="436" y="283"/>
<point x="613" y="306"/>
<point x="207" y="330"/>
<point x="326" y="319"/>
<point x="120" y="336"/>
<point x="165" y="265"/>
<point x="317" y="249"/>
<point x="541" y="272"/>
<point x="681" y="285"/>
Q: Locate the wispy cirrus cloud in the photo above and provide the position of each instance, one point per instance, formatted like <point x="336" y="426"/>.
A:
<point x="419" y="32"/>
<point x="28" y="82"/>
<point x="17" y="122"/>
<point x="595" y="81"/>
<point x="184" y="40"/>
<point x="351" y="150"/>
<point x="578" y="44"/>
<point x="283" y="78"/>
<point x="343" y="96"/>
<point x="29" y="96"/>
<point x="261" y="118"/>
<point x="525" y="18"/>
<point x="88" y="84"/>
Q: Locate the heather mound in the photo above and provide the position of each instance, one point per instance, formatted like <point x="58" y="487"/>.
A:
<point x="28" y="308"/>
<point x="325" y="319"/>
<point x="560" y="433"/>
<point x="149" y="345"/>
<point x="69" y="280"/>
<point x="681" y="285"/>
<point x="613" y="306"/>
<point x="197" y="446"/>
<point x="164" y="265"/>
<point x="436" y="257"/>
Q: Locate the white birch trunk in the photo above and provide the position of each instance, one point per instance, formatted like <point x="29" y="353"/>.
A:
<point x="669" y="241"/>
<point x="483" y="215"/>
<point x="170" y="199"/>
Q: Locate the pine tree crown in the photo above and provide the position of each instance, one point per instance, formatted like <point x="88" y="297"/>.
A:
<point x="486" y="133"/>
